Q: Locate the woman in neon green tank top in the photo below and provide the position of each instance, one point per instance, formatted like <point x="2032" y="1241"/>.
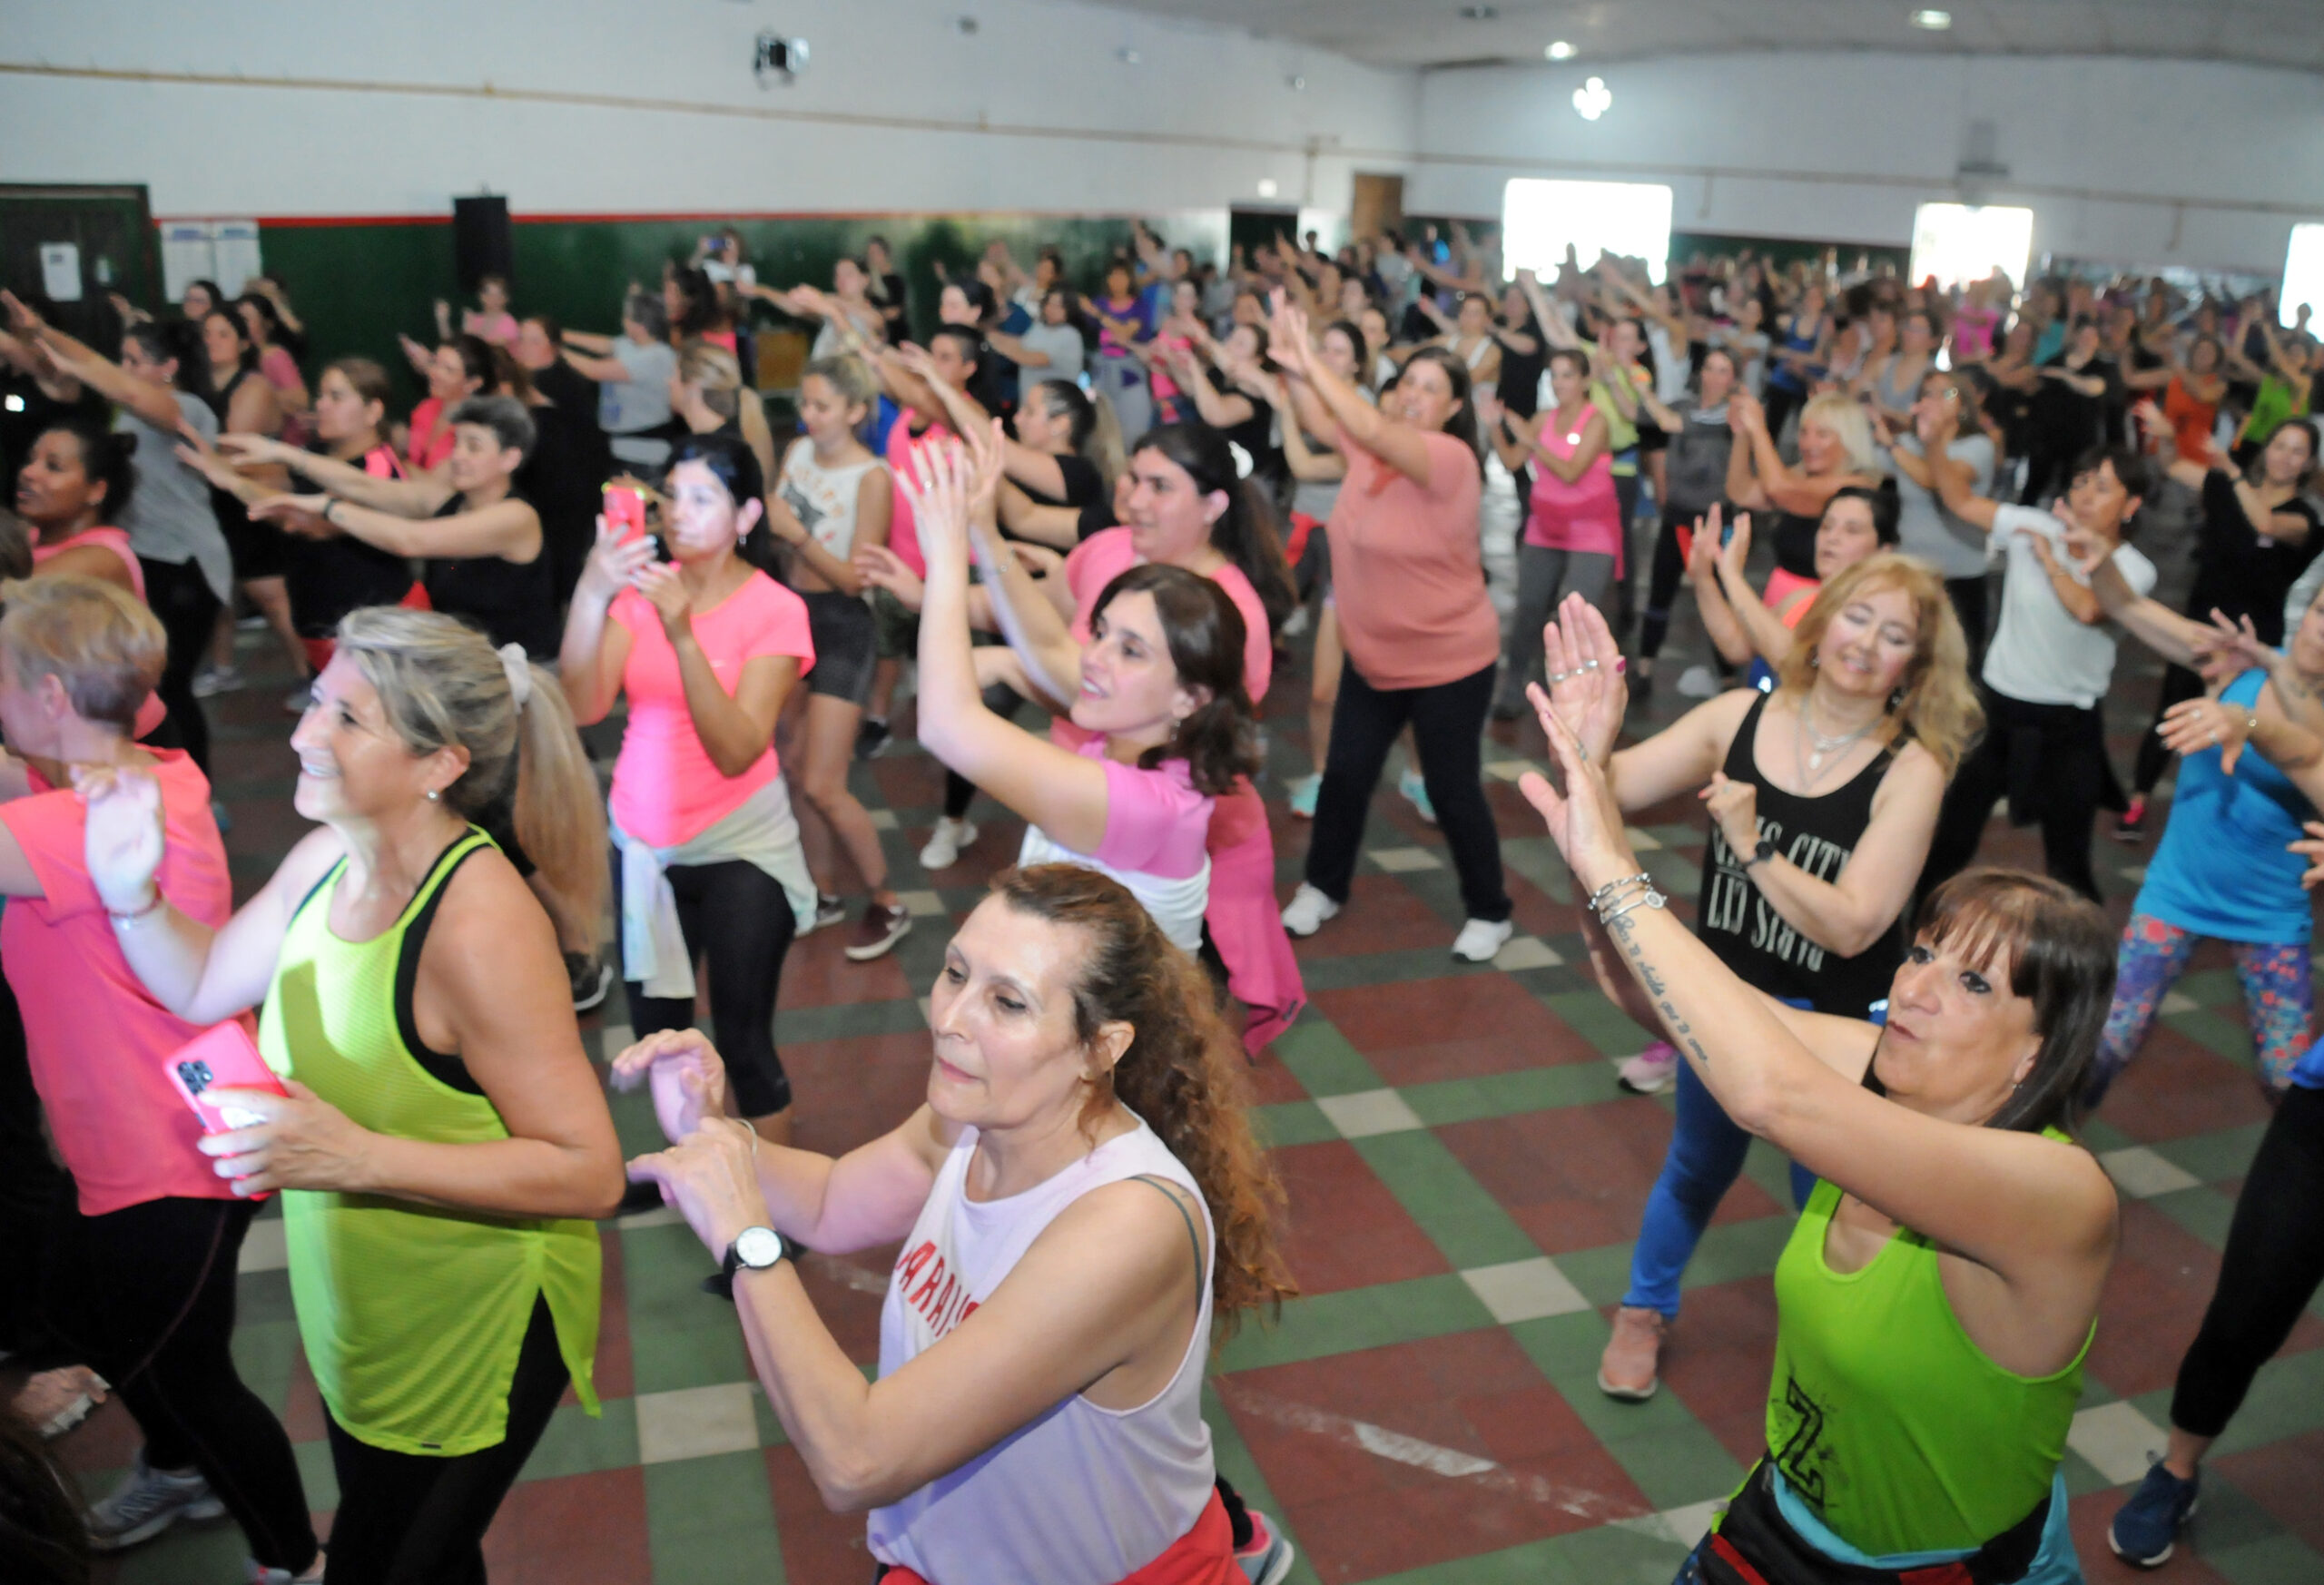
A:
<point x="444" y="1146"/>
<point x="1937" y="1296"/>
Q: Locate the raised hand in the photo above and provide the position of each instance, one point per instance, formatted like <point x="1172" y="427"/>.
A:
<point x="939" y="484"/>
<point x="1287" y="340"/>
<point x="687" y="1076"/>
<point x="1584" y="820"/>
<point x="122" y="840"/>
<point x="1735" y="809"/>
<point x="1735" y="552"/>
<point x="2193" y="726"/>
<point x="1584" y="669"/>
<point x="614" y="563"/>
<point x="665" y="589"/>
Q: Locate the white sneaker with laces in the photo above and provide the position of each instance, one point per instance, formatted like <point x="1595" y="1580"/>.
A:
<point x="147" y="1504"/>
<point x="945" y="842"/>
<point x="1304" y="914"/>
<point x="1482" y="940"/>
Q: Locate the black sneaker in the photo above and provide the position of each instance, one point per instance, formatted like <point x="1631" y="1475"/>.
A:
<point x="872" y="738"/>
<point x="592" y="978"/>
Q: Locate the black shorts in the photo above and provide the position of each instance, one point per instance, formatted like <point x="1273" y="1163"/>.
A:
<point x="259" y="549"/>
<point x="1651" y="436"/>
<point x="847" y="645"/>
<point x="897" y="625"/>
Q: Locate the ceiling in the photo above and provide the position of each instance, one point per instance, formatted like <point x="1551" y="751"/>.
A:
<point x="1436" y="32"/>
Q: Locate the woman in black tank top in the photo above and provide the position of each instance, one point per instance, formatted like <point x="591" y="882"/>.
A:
<point x="1823" y="796"/>
<point x="487" y="562"/>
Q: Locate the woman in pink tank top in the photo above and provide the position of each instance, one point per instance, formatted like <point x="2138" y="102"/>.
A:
<point x="1078" y="1200"/>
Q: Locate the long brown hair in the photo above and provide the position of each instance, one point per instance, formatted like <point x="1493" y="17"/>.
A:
<point x="1183" y="1073"/>
<point x="1934" y="704"/>
<point x="1219" y="742"/>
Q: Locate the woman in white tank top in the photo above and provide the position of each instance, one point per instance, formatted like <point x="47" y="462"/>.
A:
<point x="1078" y="1200"/>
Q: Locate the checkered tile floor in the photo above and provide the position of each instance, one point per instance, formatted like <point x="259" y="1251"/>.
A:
<point x="1464" y="1181"/>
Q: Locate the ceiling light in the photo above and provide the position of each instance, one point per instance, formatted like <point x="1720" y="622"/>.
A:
<point x="1267" y="188"/>
<point x="1932" y="20"/>
<point x="1592" y="99"/>
<point x="1560" y="51"/>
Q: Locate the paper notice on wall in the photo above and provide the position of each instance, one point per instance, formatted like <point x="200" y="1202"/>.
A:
<point x="188" y="255"/>
<point x="60" y="271"/>
<point x="236" y="242"/>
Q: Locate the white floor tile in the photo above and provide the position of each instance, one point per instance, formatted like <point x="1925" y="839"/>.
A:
<point x="2117" y="1441"/>
<point x="921" y="904"/>
<point x="1399" y="861"/>
<point x="695" y="1423"/>
<point x="1527" y="953"/>
<point x="2141" y="1174"/>
<point x="1368" y="1112"/>
<point x="883" y="819"/>
<point x="1507" y="770"/>
<point x="1525" y="1290"/>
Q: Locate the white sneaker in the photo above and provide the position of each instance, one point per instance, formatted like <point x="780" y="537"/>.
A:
<point x="1304" y="914"/>
<point x="1481" y="939"/>
<point x="212" y="681"/>
<point x="1699" y="682"/>
<point x="945" y="842"/>
<point x="146" y="1504"/>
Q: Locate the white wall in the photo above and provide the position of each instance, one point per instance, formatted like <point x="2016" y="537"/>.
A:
<point x="649" y="106"/>
<point x="1843" y="146"/>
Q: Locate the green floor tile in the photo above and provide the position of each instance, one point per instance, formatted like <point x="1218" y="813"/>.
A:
<point x="1562" y="1346"/>
<point x="1468" y="1224"/>
<point x="1600" y="1022"/>
<point x="1365" y="969"/>
<point x="1291" y="1123"/>
<point x="1738" y="1250"/>
<point x="2080" y="1478"/>
<point x="1606" y="1555"/>
<point x="317" y="1474"/>
<point x="2212" y="987"/>
<point x="1240" y="1471"/>
<point x="2226" y="1153"/>
<point x="1321" y="1058"/>
<point x="2280" y="1560"/>
<point x="2204" y="1211"/>
<point x="1536" y="858"/>
<point x="2098" y="1133"/>
<point x="209" y="1554"/>
<point x="1504" y="1094"/>
<point x="703" y="1351"/>
<point x="1358" y="1318"/>
<point x="2223" y="1033"/>
<point x="711" y="1522"/>
<point x="1603" y="1274"/>
<point x="576" y="1443"/>
<point x="264" y="1351"/>
<point x="1677" y="1465"/>
<point x="845" y="1020"/>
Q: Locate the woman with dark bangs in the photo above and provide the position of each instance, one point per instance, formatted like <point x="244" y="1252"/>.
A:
<point x="1936" y="1301"/>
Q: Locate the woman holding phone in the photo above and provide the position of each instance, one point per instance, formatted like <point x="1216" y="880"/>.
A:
<point x="443" y="1142"/>
<point x="141" y="1260"/>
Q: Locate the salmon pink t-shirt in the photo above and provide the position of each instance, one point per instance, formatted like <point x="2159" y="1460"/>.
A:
<point x="1105" y="556"/>
<point x="429" y="444"/>
<point x="98" y="1040"/>
<point x="1408" y="572"/>
<point x="666" y="789"/>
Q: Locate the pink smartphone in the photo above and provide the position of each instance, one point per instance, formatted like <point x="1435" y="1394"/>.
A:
<point x="222" y="1057"/>
<point x="625" y="514"/>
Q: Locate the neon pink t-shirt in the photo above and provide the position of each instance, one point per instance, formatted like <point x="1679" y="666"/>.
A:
<point x="1155" y="822"/>
<point x="1408" y="571"/>
<point x="96" y="1038"/>
<point x="500" y="327"/>
<point x="1105" y="556"/>
<point x="904" y="530"/>
<point x="1585" y="514"/>
<point x="665" y="790"/>
<point x="429" y="444"/>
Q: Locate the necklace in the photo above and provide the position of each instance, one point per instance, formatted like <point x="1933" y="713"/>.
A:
<point x="1811" y="765"/>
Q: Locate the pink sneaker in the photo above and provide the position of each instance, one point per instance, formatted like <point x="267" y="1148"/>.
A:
<point x="1652" y="1072"/>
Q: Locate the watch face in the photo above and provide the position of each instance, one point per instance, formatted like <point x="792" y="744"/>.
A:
<point x="758" y="1247"/>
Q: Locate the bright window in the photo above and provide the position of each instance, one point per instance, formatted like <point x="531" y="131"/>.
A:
<point x="1958" y="244"/>
<point x="2303" y="273"/>
<point x="1539" y="220"/>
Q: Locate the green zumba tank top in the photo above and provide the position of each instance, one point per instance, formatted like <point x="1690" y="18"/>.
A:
<point x="412" y="1315"/>
<point x="1883" y="1415"/>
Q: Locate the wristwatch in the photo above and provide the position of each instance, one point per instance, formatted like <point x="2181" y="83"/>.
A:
<point x="755" y="1249"/>
<point x="1760" y="854"/>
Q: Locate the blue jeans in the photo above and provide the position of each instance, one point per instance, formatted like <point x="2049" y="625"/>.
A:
<point x="1706" y="1156"/>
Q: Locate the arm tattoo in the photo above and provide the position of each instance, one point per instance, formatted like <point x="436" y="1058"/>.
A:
<point x="1681" y="1031"/>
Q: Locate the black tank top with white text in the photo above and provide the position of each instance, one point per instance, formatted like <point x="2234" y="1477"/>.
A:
<point x="1736" y="921"/>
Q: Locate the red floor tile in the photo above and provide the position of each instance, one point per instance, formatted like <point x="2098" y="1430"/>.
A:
<point x="2175" y="1087"/>
<point x="575" y="1529"/>
<point x="2091" y="1513"/>
<point x="1577" y="1177"/>
<point x="2283" y="1477"/>
<point x="857" y="1088"/>
<point x="1344" y="1229"/>
<point x="1420" y="1031"/>
<point x="1718" y="1355"/>
<point x="817" y="972"/>
<point x="1382" y="915"/>
<point x="817" y="1544"/>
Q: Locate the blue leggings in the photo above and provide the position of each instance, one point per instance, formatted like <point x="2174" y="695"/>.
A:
<point x="1706" y="1156"/>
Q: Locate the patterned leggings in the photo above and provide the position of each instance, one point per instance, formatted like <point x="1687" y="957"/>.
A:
<point x="2277" y="999"/>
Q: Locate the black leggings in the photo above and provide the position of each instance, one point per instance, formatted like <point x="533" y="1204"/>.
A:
<point x="31" y="1186"/>
<point x="1448" y="727"/>
<point x="2272" y="1266"/>
<point x="1662" y="586"/>
<point x="147" y="1293"/>
<point x="2178" y="684"/>
<point x="188" y="611"/>
<point x="2064" y="787"/>
<point x="738" y="924"/>
<point x="1968" y="598"/>
<point x="405" y="1518"/>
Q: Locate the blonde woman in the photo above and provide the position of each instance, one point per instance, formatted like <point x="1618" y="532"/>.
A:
<point x="1835" y="450"/>
<point x="1823" y="796"/>
<point x="443" y="1147"/>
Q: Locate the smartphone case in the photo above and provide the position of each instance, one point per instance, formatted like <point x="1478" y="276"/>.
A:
<point x="221" y="1057"/>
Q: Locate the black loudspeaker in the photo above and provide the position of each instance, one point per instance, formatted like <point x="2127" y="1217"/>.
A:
<point x="482" y="241"/>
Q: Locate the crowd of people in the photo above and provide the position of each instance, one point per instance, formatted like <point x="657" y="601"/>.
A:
<point x="1118" y="510"/>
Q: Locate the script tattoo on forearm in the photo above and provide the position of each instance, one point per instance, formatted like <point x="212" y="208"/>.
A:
<point x="1625" y="936"/>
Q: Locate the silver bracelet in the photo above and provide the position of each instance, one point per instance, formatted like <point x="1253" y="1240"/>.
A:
<point x="1598" y="897"/>
<point x="1651" y="897"/>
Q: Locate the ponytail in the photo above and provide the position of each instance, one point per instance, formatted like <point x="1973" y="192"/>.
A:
<point x="560" y="817"/>
<point x="1091" y="425"/>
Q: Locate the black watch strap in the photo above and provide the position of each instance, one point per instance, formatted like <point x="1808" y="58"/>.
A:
<point x="720" y="1283"/>
<point x="1760" y="854"/>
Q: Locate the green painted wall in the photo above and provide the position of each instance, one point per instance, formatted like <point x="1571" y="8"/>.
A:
<point x="359" y="286"/>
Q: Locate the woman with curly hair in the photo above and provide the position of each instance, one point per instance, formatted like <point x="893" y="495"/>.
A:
<point x="1079" y="1198"/>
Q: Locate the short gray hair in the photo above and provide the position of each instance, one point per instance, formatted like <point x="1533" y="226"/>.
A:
<point x="505" y="416"/>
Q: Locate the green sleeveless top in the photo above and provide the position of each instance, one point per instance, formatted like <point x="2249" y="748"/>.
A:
<point x="1886" y="1420"/>
<point x="411" y="1315"/>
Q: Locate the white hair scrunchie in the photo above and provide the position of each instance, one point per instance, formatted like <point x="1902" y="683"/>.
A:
<point x="519" y="672"/>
